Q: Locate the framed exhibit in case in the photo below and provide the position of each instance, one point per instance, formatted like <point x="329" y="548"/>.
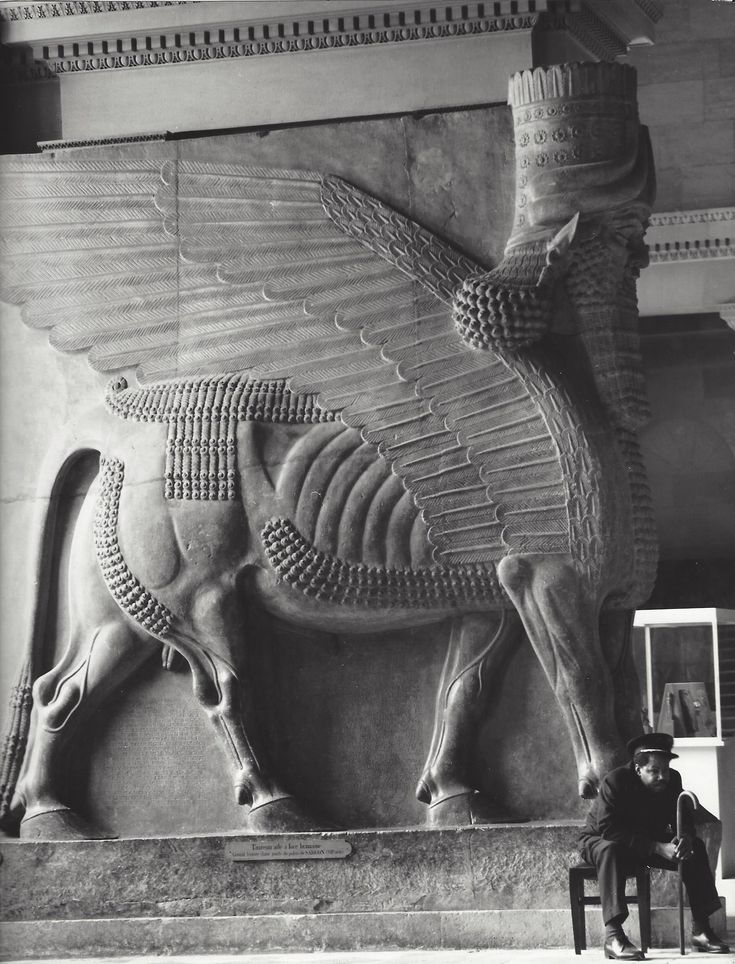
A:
<point x="686" y="668"/>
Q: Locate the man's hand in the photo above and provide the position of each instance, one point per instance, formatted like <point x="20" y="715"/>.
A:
<point x="684" y="846"/>
<point x="666" y="850"/>
<point x="680" y="848"/>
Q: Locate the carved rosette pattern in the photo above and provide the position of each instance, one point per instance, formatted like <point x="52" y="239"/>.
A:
<point x="578" y="150"/>
<point x="133" y="598"/>
<point x="566" y="116"/>
<point x="79" y="8"/>
<point x="330" y="579"/>
<point x="201" y="448"/>
<point x="337" y="40"/>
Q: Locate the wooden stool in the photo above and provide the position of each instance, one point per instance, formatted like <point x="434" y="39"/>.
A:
<point x="579" y="900"/>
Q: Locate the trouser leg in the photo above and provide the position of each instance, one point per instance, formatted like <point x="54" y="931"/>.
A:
<point x="698" y="881"/>
<point x="614" y="862"/>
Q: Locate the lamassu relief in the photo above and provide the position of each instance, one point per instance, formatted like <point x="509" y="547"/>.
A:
<point x="343" y="420"/>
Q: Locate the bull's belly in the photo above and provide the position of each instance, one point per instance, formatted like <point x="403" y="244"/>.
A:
<point x="319" y="525"/>
<point x="291" y="605"/>
<point x="338" y="492"/>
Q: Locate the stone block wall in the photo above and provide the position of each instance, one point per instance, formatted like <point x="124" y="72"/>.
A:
<point x="687" y="98"/>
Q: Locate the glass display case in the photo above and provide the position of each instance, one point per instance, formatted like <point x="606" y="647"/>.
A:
<point x="686" y="668"/>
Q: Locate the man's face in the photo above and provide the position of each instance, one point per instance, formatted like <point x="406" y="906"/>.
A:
<point x="655" y="774"/>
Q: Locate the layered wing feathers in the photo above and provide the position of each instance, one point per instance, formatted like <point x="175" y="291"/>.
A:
<point x="209" y="267"/>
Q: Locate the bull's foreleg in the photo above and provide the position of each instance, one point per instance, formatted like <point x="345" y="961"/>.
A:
<point x="616" y="630"/>
<point x="478" y="649"/>
<point x="561" y="617"/>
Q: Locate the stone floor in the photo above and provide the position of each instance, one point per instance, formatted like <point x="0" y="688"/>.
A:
<point x="556" y="956"/>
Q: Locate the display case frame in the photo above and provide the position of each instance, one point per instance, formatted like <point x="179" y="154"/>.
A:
<point x="649" y="619"/>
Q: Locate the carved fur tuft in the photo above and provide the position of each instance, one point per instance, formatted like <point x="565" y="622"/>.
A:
<point x="506" y="308"/>
<point x="328" y="578"/>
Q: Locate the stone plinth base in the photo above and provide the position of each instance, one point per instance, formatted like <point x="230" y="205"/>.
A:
<point x="499" y="886"/>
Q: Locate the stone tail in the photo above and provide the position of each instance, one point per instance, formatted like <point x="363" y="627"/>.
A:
<point x="16" y="739"/>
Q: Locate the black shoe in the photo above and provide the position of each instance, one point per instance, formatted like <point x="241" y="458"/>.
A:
<point x="708" y="942"/>
<point x="619" y="948"/>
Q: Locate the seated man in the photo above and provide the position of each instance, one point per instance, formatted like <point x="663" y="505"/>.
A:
<point x="632" y="822"/>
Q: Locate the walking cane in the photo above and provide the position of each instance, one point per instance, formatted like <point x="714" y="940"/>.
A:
<point x="679" y="831"/>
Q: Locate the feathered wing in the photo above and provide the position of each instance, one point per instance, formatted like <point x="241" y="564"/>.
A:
<point x="288" y="274"/>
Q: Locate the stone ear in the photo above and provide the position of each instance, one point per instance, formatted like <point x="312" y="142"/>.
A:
<point x="559" y="245"/>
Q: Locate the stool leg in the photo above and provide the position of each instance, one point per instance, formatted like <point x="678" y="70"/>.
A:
<point x="643" y="886"/>
<point x="575" y="904"/>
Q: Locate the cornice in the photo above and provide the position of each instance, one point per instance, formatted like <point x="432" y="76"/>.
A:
<point x="395" y="28"/>
<point x="48" y="11"/>
<point x="93" y="35"/>
<point x="587" y="28"/>
<point x="690" y="268"/>
<point x="691" y="235"/>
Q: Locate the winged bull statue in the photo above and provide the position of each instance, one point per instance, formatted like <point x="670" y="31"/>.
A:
<point x="344" y="420"/>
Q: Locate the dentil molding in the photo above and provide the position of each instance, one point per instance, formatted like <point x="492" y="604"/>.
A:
<point x="691" y="263"/>
<point x="114" y="34"/>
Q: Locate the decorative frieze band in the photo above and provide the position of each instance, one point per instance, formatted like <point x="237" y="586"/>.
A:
<point x="691" y="235"/>
<point x="399" y="24"/>
<point x="47" y="11"/>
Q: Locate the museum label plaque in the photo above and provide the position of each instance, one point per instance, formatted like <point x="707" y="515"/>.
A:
<point x="287" y="848"/>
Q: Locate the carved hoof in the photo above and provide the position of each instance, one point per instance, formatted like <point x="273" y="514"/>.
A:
<point x="59" y="823"/>
<point x="423" y="794"/>
<point x="466" y="810"/>
<point x="284" y="815"/>
<point x="587" y="788"/>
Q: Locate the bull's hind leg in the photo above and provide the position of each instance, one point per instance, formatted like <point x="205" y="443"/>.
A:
<point x="478" y="649"/>
<point x="561" y="616"/>
<point x="213" y="651"/>
<point x="104" y="648"/>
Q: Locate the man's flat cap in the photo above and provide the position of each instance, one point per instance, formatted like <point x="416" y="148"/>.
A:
<point x="653" y="743"/>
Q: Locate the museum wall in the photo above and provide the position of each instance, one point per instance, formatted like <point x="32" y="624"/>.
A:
<point x="686" y="94"/>
<point x="687" y="98"/>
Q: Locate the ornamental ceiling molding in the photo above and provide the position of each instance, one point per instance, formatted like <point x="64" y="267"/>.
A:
<point x="113" y="34"/>
<point x="691" y="235"/>
<point x="690" y="268"/>
<point x="43" y="11"/>
<point x="355" y="27"/>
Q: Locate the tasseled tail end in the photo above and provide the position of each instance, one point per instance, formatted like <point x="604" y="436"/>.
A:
<point x="21" y="702"/>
